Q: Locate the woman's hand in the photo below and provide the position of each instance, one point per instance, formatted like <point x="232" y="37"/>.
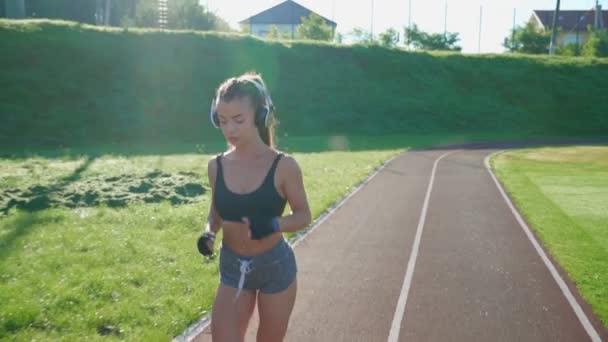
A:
<point x="205" y="243"/>
<point x="211" y="241"/>
<point x="262" y="226"/>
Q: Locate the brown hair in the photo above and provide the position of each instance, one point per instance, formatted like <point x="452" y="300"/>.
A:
<point x="242" y="86"/>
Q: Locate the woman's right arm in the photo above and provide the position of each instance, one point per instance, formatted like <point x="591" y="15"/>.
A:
<point x="214" y="221"/>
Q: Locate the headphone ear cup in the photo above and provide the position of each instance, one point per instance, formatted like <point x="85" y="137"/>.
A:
<point x="213" y="116"/>
<point x="261" y="117"/>
<point x="214" y="120"/>
<point x="266" y="117"/>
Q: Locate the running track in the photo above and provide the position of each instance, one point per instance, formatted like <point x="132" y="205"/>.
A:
<point x="428" y="249"/>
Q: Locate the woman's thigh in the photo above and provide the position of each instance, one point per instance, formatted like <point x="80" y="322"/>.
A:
<point x="274" y="311"/>
<point x="231" y="314"/>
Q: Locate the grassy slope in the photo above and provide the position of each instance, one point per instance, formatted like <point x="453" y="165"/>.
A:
<point x="67" y="84"/>
<point x="563" y="193"/>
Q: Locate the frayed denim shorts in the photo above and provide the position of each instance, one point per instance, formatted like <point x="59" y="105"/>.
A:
<point x="270" y="272"/>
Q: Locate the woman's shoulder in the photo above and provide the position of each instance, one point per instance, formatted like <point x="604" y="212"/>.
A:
<point x="212" y="164"/>
<point x="285" y="158"/>
<point x="288" y="164"/>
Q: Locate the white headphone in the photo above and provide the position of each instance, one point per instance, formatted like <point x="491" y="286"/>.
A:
<point x="261" y="115"/>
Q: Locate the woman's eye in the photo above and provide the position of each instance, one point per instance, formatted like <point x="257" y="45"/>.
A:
<point x="239" y="121"/>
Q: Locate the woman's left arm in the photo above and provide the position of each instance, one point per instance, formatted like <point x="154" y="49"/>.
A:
<point x="294" y="192"/>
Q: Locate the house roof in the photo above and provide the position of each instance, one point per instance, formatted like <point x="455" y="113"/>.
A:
<point x="567" y="19"/>
<point x="287" y="12"/>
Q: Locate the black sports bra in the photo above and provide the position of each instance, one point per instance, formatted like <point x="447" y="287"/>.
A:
<point x="265" y="201"/>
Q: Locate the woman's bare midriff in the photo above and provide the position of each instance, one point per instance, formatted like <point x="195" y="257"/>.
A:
<point x="238" y="240"/>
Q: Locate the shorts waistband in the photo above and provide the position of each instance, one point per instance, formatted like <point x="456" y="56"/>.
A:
<point x="273" y="253"/>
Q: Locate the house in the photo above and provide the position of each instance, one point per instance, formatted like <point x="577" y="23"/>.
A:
<point x="572" y="24"/>
<point x="286" y="16"/>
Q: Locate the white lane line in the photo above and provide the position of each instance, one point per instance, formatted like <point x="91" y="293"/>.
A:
<point x="203" y="323"/>
<point x="582" y="317"/>
<point x="407" y="281"/>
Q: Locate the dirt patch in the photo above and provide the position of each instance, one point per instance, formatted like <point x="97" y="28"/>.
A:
<point x="116" y="191"/>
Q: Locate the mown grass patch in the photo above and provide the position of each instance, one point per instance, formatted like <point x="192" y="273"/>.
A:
<point x="563" y="194"/>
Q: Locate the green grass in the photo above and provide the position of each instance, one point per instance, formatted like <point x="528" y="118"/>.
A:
<point x="132" y="273"/>
<point x="563" y="194"/>
<point x="145" y="86"/>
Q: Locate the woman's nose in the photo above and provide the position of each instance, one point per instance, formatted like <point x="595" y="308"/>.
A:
<point x="229" y="127"/>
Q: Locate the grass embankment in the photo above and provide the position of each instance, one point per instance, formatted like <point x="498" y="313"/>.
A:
<point x="65" y="84"/>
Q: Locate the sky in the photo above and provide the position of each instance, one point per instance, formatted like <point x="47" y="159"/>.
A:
<point x="463" y="16"/>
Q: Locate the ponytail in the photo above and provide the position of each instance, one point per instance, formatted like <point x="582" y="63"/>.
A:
<point x="267" y="133"/>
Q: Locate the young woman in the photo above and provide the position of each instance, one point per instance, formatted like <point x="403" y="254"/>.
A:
<point x="251" y="184"/>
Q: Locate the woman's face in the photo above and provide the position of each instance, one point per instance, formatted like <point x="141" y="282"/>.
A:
<point x="237" y="120"/>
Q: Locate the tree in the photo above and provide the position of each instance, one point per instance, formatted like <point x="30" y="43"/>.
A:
<point x="529" y="39"/>
<point x="76" y="10"/>
<point x="189" y="14"/>
<point x="571" y="49"/>
<point x="275" y="33"/>
<point x="99" y="12"/>
<point x="338" y="38"/>
<point x="390" y="38"/>
<point x="597" y="45"/>
<point x="314" y="27"/>
<point x="183" y="14"/>
<point x="245" y="28"/>
<point x="146" y="13"/>
<point x="431" y="41"/>
<point x="361" y="36"/>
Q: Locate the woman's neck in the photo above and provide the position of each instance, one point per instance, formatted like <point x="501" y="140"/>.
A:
<point x="250" y="151"/>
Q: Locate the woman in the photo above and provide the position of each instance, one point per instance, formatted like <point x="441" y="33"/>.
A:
<point x="251" y="184"/>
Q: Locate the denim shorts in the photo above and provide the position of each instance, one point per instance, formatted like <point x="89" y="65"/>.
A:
<point x="270" y="272"/>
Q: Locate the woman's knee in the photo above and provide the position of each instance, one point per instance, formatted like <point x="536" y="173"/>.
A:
<point x="275" y="312"/>
<point x="229" y="317"/>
